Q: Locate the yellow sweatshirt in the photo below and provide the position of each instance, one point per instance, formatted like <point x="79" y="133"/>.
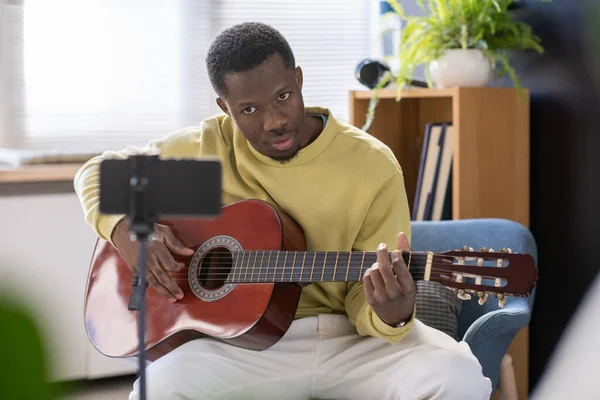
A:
<point x="346" y="190"/>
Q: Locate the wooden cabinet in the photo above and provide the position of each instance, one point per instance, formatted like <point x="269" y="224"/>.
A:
<point x="491" y="156"/>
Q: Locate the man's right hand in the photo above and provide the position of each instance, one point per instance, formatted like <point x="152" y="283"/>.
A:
<point x="159" y="259"/>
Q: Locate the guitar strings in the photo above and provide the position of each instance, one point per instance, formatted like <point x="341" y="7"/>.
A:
<point x="260" y="264"/>
<point x="220" y="258"/>
<point x="493" y="254"/>
<point x="220" y="273"/>
<point x="344" y="264"/>
<point x="217" y="275"/>
<point x="438" y="267"/>
<point x="419" y="254"/>
<point x="441" y="278"/>
<point x="308" y="259"/>
<point x="330" y="256"/>
<point x="238" y="271"/>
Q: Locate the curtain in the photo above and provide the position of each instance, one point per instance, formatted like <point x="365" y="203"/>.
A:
<point x="92" y="75"/>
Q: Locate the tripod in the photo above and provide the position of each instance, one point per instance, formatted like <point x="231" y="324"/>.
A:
<point x="144" y="187"/>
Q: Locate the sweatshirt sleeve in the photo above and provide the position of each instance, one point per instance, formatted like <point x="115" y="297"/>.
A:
<point x="387" y="217"/>
<point x="87" y="179"/>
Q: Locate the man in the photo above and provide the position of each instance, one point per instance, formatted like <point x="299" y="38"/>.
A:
<point x="356" y="340"/>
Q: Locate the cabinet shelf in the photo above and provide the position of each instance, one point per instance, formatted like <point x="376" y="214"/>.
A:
<point x="491" y="143"/>
<point x="490" y="174"/>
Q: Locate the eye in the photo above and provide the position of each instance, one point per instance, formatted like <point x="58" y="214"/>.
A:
<point x="284" y="96"/>
<point x="249" y="110"/>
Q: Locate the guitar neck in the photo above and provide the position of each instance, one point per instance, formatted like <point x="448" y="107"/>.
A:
<point x="315" y="266"/>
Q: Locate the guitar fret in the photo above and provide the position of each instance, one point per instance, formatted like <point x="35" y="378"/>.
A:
<point x="232" y="271"/>
<point x="352" y="270"/>
<point x="268" y="267"/>
<point x="337" y="255"/>
<point x="275" y="269"/>
<point x="247" y="266"/>
<point x="302" y="268"/>
<point x="293" y="263"/>
<point x="313" y="266"/>
<point x="323" y="270"/>
<point x="253" y="266"/>
<point x="284" y="266"/>
<point x="241" y="267"/>
<point x="362" y="265"/>
<point x="260" y="265"/>
<point x="340" y="275"/>
<point x="348" y="267"/>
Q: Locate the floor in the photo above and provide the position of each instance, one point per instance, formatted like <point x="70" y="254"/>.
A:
<point x="102" y="389"/>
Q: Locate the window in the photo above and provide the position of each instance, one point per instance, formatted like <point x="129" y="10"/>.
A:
<point x="104" y="74"/>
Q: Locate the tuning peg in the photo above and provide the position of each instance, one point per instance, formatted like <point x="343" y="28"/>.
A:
<point x="505" y="250"/>
<point x="482" y="297"/>
<point x="484" y="249"/>
<point x="467" y="248"/>
<point x="461" y="294"/>
<point x="501" y="300"/>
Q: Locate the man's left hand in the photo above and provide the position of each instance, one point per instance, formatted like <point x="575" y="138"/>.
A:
<point x="389" y="287"/>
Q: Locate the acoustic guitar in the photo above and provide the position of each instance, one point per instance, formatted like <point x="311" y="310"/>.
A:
<point x="243" y="283"/>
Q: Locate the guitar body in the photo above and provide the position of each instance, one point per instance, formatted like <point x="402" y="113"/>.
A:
<point x="253" y="316"/>
<point x="243" y="283"/>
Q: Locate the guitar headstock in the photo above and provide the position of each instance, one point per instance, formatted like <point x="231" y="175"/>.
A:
<point x="485" y="272"/>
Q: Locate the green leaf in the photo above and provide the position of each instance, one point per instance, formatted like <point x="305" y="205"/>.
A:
<point x="486" y="25"/>
<point x="397" y="7"/>
<point x="385" y="80"/>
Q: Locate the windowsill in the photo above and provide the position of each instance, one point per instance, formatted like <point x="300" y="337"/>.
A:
<point x="39" y="173"/>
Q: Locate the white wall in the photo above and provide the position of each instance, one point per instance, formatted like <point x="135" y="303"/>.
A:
<point x="45" y="250"/>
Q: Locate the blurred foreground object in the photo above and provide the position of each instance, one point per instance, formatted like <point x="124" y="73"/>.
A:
<point x="572" y="371"/>
<point x="23" y="370"/>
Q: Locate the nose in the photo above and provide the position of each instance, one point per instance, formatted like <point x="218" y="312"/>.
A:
<point x="273" y="121"/>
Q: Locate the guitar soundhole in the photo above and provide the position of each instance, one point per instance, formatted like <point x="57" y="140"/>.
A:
<point x="210" y="267"/>
<point x="215" y="268"/>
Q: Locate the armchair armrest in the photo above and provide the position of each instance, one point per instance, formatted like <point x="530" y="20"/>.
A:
<point x="491" y="334"/>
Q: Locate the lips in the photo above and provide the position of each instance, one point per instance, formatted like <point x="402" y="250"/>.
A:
<point x="282" y="143"/>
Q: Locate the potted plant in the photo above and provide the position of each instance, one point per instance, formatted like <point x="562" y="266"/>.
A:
<point x="460" y="42"/>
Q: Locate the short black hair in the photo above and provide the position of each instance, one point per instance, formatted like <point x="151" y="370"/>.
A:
<point x="242" y="47"/>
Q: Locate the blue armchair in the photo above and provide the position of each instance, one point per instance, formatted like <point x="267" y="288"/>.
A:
<point x="488" y="329"/>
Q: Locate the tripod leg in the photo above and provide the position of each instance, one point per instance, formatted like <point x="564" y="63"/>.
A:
<point x="138" y="301"/>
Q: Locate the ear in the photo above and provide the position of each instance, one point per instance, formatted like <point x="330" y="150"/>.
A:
<point x="222" y="105"/>
<point x="299" y="77"/>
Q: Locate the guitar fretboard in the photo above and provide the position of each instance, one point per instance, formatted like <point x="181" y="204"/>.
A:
<point x="291" y="266"/>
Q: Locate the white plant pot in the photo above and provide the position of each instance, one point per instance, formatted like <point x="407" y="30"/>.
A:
<point x="461" y="68"/>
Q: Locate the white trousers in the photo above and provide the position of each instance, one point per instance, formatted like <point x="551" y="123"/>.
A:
<point x="321" y="357"/>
